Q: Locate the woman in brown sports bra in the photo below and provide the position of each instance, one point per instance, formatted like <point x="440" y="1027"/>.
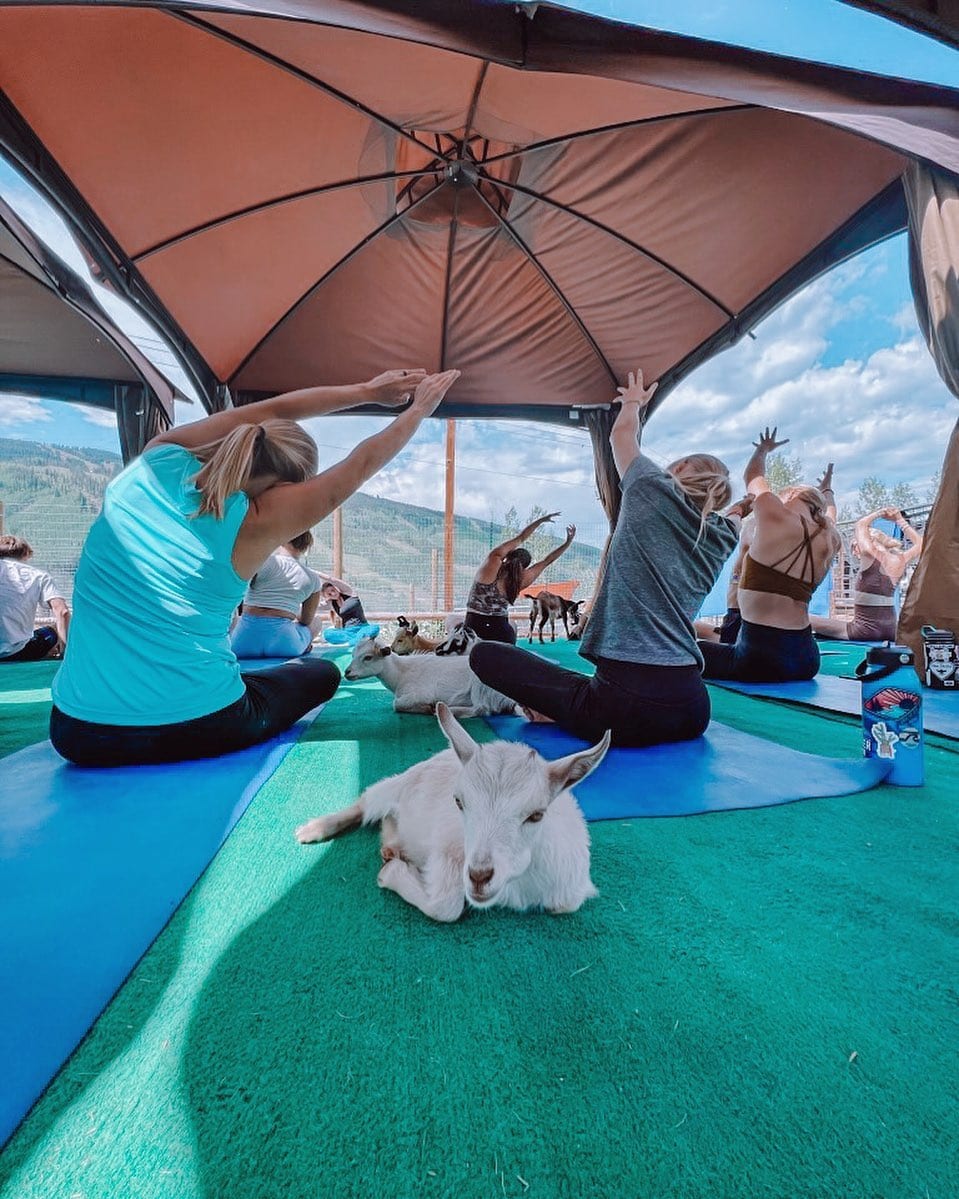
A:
<point x="882" y="563"/>
<point x="791" y="543"/>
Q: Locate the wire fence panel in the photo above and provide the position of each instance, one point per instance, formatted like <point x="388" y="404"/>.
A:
<point x="393" y="554"/>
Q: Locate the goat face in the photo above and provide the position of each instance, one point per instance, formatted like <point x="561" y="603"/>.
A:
<point x="405" y="640"/>
<point x="504" y="791"/>
<point x="367" y="660"/>
<point x="574" y="618"/>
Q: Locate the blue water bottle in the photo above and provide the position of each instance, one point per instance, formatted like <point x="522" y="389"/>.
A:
<point x="892" y="712"/>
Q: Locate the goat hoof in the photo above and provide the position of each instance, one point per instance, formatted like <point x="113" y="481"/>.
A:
<point x="388" y="871"/>
<point x="313" y="830"/>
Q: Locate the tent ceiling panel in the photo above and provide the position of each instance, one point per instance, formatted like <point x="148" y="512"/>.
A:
<point x="422" y="88"/>
<point x="633" y="308"/>
<point x="317" y="198"/>
<point x="381" y="307"/>
<point x="163" y="126"/>
<point x="677" y="189"/>
<point x="510" y="330"/>
<point x="522" y="108"/>
<point x="430" y="89"/>
<point x="247" y="273"/>
<point x="40" y="335"/>
<point x="56" y="340"/>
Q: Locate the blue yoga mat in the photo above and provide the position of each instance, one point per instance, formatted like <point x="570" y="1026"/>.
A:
<point x="833" y="693"/>
<point x="92" y="865"/>
<point x="719" y="772"/>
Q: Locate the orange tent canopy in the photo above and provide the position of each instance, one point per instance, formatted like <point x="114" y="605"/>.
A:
<point x="309" y="191"/>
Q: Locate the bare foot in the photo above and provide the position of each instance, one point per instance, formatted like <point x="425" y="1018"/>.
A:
<point x="535" y="717"/>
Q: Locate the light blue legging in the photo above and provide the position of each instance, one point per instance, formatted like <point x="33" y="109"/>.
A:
<point x="270" y="637"/>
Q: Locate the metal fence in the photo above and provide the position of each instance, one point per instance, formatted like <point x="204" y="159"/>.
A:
<point x="393" y="556"/>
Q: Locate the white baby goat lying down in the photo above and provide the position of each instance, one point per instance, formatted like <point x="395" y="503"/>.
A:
<point x="420" y="681"/>
<point x="518" y="840"/>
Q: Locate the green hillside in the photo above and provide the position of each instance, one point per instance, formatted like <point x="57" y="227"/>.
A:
<point x="392" y="552"/>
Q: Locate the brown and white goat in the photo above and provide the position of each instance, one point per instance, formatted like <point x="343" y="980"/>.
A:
<point x="547" y="606"/>
<point x="409" y="639"/>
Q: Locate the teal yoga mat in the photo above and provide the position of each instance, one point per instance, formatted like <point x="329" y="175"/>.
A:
<point x="721" y="771"/>
<point x="92" y="865"/>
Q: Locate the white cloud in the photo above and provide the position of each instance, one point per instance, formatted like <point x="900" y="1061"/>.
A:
<point x="889" y="415"/>
<point x="99" y="416"/>
<point x="21" y="410"/>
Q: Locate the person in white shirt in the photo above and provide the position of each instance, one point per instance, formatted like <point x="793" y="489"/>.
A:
<point x="279" y="617"/>
<point x="22" y="588"/>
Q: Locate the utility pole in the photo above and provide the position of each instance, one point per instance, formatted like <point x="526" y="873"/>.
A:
<point x="448" y="515"/>
<point x="338" y="543"/>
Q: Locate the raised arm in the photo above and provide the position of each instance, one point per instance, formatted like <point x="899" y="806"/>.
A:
<point x="755" y="472"/>
<point x="532" y="573"/>
<point x="285" y="510"/>
<point x="824" y="483"/>
<point x="389" y="389"/>
<point x="910" y="534"/>
<point x="499" y="552"/>
<point x="627" y="429"/>
<point x="862" y="530"/>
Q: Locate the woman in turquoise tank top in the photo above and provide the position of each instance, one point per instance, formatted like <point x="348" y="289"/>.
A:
<point x="150" y="675"/>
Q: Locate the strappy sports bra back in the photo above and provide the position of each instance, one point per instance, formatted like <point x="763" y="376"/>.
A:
<point x="775" y="579"/>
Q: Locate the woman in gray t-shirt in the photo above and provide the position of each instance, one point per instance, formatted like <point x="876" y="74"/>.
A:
<point x="665" y="555"/>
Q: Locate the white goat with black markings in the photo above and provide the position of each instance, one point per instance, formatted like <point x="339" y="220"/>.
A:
<point x="483" y="825"/>
<point x="420" y="681"/>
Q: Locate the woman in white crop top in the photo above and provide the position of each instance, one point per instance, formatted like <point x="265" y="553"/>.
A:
<point x="279" y="611"/>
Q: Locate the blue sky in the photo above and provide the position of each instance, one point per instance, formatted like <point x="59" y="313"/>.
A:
<point x="841" y="367"/>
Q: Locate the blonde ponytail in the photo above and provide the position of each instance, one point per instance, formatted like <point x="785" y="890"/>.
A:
<point x="227" y="468"/>
<point x="705" y="479"/>
<point x="277" y="449"/>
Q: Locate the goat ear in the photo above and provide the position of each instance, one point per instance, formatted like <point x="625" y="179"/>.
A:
<point x="460" y="741"/>
<point x="414" y="628"/>
<point x="565" y="772"/>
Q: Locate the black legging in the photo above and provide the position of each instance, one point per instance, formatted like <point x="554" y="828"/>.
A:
<point x="491" y="628"/>
<point x="762" y="654"/>
<point x="274" y="700"/>
<point x="640" y="704"/>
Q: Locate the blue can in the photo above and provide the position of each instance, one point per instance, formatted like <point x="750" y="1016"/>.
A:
<point x="892" y="712"/>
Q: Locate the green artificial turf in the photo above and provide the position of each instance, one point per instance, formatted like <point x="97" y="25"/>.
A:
<point x="24" y="703"/>
<point x="760" y="1004"/>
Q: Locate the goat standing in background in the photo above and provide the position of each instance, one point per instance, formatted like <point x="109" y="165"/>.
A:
<point x="547" y="606"/>
<point x="491" y="825"/>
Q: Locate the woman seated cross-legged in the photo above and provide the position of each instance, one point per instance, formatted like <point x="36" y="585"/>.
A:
<point x="279" y="609"/>
<point x="882" y="563"/>
<point x="345" y="606"/>
<point x="665" y="555"/>
<point x="150" y="675"/>
<point x="789" y="545"/>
